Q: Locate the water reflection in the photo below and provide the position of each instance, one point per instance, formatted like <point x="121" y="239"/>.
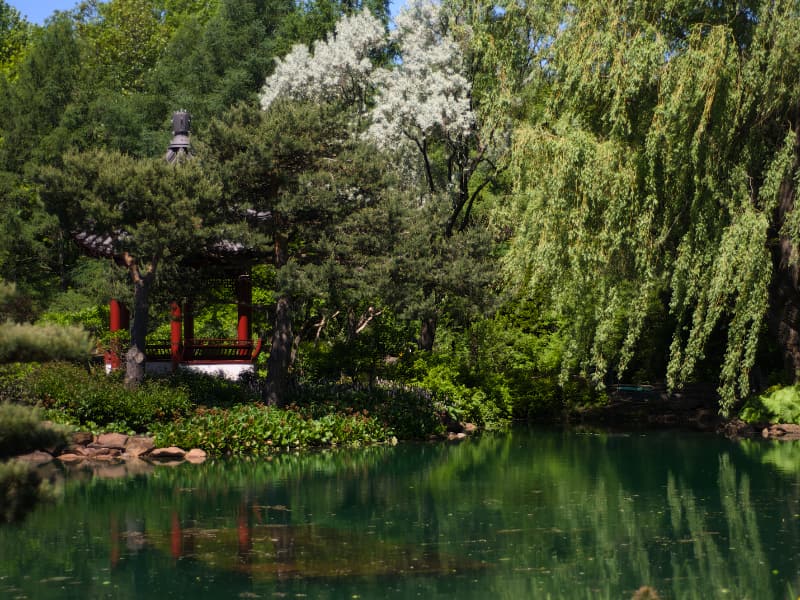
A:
<point x="529" y="514"/>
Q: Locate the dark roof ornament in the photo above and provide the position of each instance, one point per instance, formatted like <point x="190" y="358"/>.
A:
<point x="178" y="149"/>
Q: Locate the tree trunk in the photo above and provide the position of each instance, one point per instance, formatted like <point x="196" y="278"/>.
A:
<point x="427" y="334"/>
<point x="280" y="355"/>
<point x="784" y="316"/>
<point x="135" y="358"/>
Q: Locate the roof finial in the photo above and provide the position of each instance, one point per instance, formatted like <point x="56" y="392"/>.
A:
<point x="179" y="146"/>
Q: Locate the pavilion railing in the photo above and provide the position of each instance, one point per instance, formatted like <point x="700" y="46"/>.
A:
<point x="206" y="349"/>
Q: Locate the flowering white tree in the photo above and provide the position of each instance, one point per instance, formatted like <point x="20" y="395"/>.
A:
<point x="418" y="105"/>
<point x="418" y="102"/>
<point x="339" y="68"/>
<point x="425" y="98"/>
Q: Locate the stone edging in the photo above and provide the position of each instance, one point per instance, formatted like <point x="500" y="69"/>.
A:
<point x="114" y="447"/>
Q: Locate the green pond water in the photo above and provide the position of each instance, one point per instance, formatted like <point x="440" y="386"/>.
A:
<point x="530" y="514"/>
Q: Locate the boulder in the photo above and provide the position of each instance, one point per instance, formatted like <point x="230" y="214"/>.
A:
<point x="96" y="453"/>
<point x="81" y="438"/>
<point x="170" y="453"/>
<point x="110" y="440"/>
<point x="782" y="431"/>
<point x="138" y="445"/>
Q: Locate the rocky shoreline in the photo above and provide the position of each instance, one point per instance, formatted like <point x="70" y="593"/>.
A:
<point x="113" y="448"/>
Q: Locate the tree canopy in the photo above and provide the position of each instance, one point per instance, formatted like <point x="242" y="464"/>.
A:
<point x="617" y="181"/>
<point x="658" y="172"/>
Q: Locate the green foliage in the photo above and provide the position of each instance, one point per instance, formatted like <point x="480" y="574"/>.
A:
<point x="92" y="399"/>
<point x="13" y="383"/>
<point x="776" y="405"/>
<point x="29" y="248"/>
<point x="486" y="403"/>
<point x="124" y="39"/>
<point x="93" y="319"/>
<point x="211" y="391"/>
<point x="36" y="100"/>
<point x="656" y="169"/>
<point x="22" y="342"/>
<point x="21" y="487"/>
<point x="14" y="35"/>
<point x="254" y="429"/>
<point x="406" y="412"/>
<point x="22" y="431"/>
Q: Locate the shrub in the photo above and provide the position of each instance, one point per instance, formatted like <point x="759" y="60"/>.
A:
<point x="406" y="412"/>
<point x="208" y="390"/>
<point x="13" y="383"/>
<point x="23" y="342"/>
<point x="21" y="431"/>
<point x="93" y="399"/>
<point x="776" y="405"/>
<point x="486" y="402"/>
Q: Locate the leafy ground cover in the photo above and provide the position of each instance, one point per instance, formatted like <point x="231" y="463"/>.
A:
<point x="222" y="417"/>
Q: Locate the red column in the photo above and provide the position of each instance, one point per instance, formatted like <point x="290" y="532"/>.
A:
<point x="175" y="334"/>
<point x="244" y="300"/>
<point x="119" y="320"/>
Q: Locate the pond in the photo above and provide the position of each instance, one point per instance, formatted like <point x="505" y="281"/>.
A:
<point x="532" y="513"/>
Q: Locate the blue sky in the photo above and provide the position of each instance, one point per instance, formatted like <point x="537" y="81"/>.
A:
<point x="37" y="11"/>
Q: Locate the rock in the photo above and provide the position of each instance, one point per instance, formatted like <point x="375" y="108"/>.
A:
<point x="456" y="436"/>
<point x="92" y="452"/>
<point x="74" y="449"/>
<point x="35" y="458"/>
<point x="470" y="428"/>
<point x="138" y="445"/>
<point x="782" y="431"/>
<point x="109" y="454"/>
<point x="170" y="453"/>
<point x="196" y="456"/>
<point x="82" y="438"/>
<point x="111" y="440"/>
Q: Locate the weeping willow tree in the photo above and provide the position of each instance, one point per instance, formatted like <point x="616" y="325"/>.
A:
<point x="657" y="171"/>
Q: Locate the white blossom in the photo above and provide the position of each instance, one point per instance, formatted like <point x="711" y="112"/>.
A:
<point x="339" y="67"/>
<point x="426" y="93"/>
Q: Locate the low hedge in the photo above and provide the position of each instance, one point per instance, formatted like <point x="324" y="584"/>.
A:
<point x="89" y="398"/>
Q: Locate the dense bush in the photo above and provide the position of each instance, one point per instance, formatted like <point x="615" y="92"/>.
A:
<point x="21" y="431"/>
<point x="23" y="342"/>
<point x="90" y="398"/>
<point x="408" y="413"/>
<point x="210" y="390"/>
<point x="254" y="429"/>
<point x="776" y="405"/>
